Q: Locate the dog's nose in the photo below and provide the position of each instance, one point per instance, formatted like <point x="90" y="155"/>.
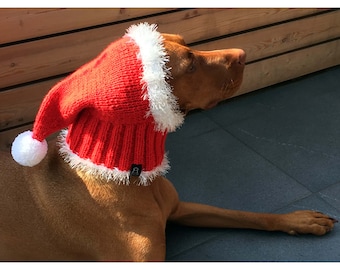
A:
<point x="241" y="57"/>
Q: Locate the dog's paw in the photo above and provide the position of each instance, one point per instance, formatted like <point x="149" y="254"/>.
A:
<point x="307" y="222"/>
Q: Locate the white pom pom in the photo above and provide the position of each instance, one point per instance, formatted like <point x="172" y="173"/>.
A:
<point x="28" y="151"/>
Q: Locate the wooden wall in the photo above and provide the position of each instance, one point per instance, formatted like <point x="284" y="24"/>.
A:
<point x="39" y="47"/>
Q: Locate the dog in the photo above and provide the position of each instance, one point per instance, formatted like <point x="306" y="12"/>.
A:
<point x="52" y="211"/>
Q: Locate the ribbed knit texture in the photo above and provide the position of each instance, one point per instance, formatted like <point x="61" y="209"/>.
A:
<point x="116" y="146"/>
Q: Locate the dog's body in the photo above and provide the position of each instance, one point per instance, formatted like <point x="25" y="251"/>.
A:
<point x="53" y="212"/>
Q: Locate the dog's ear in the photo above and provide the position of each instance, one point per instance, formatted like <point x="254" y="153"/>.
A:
<point x="174" y="38"/>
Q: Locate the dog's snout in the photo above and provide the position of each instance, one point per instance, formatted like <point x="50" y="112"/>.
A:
<point x="241" y="57"/>
<point x="235" y="56"/>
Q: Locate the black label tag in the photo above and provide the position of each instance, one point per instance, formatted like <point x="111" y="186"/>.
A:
<point x="136" y="169"/>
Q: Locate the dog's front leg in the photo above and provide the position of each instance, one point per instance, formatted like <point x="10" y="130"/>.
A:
<point x="299" y="222"/>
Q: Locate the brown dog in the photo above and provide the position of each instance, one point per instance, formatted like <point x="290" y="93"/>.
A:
<point x="53" y="212"/>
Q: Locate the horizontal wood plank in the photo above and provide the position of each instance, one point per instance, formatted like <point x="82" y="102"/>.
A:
<point x="257" y="75"/>
<point x="25" y="23"/>
<point x="57" y="55"/>
<point x="201" y="24"/>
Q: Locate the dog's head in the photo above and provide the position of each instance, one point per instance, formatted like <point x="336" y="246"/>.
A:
<point x="201" y="79"/>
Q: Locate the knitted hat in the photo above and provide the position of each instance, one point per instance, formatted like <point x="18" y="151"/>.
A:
<point x="117" y="110"/>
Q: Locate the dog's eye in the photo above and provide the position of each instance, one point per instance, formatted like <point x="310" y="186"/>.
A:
<point x="191" y="68"/>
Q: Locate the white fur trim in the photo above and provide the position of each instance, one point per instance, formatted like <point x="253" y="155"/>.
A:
<point x="87" y="167"/>
<point x="28" y="151"/>
<point x="163" y="104"/>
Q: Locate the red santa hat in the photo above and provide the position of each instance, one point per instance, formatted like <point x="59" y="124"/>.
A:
<point x="117" y="110"/>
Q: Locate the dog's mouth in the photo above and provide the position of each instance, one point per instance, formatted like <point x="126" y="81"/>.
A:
<point x="230" y="86"/>
<point x="226" y="85"/>
<point x="227" y="89"/>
